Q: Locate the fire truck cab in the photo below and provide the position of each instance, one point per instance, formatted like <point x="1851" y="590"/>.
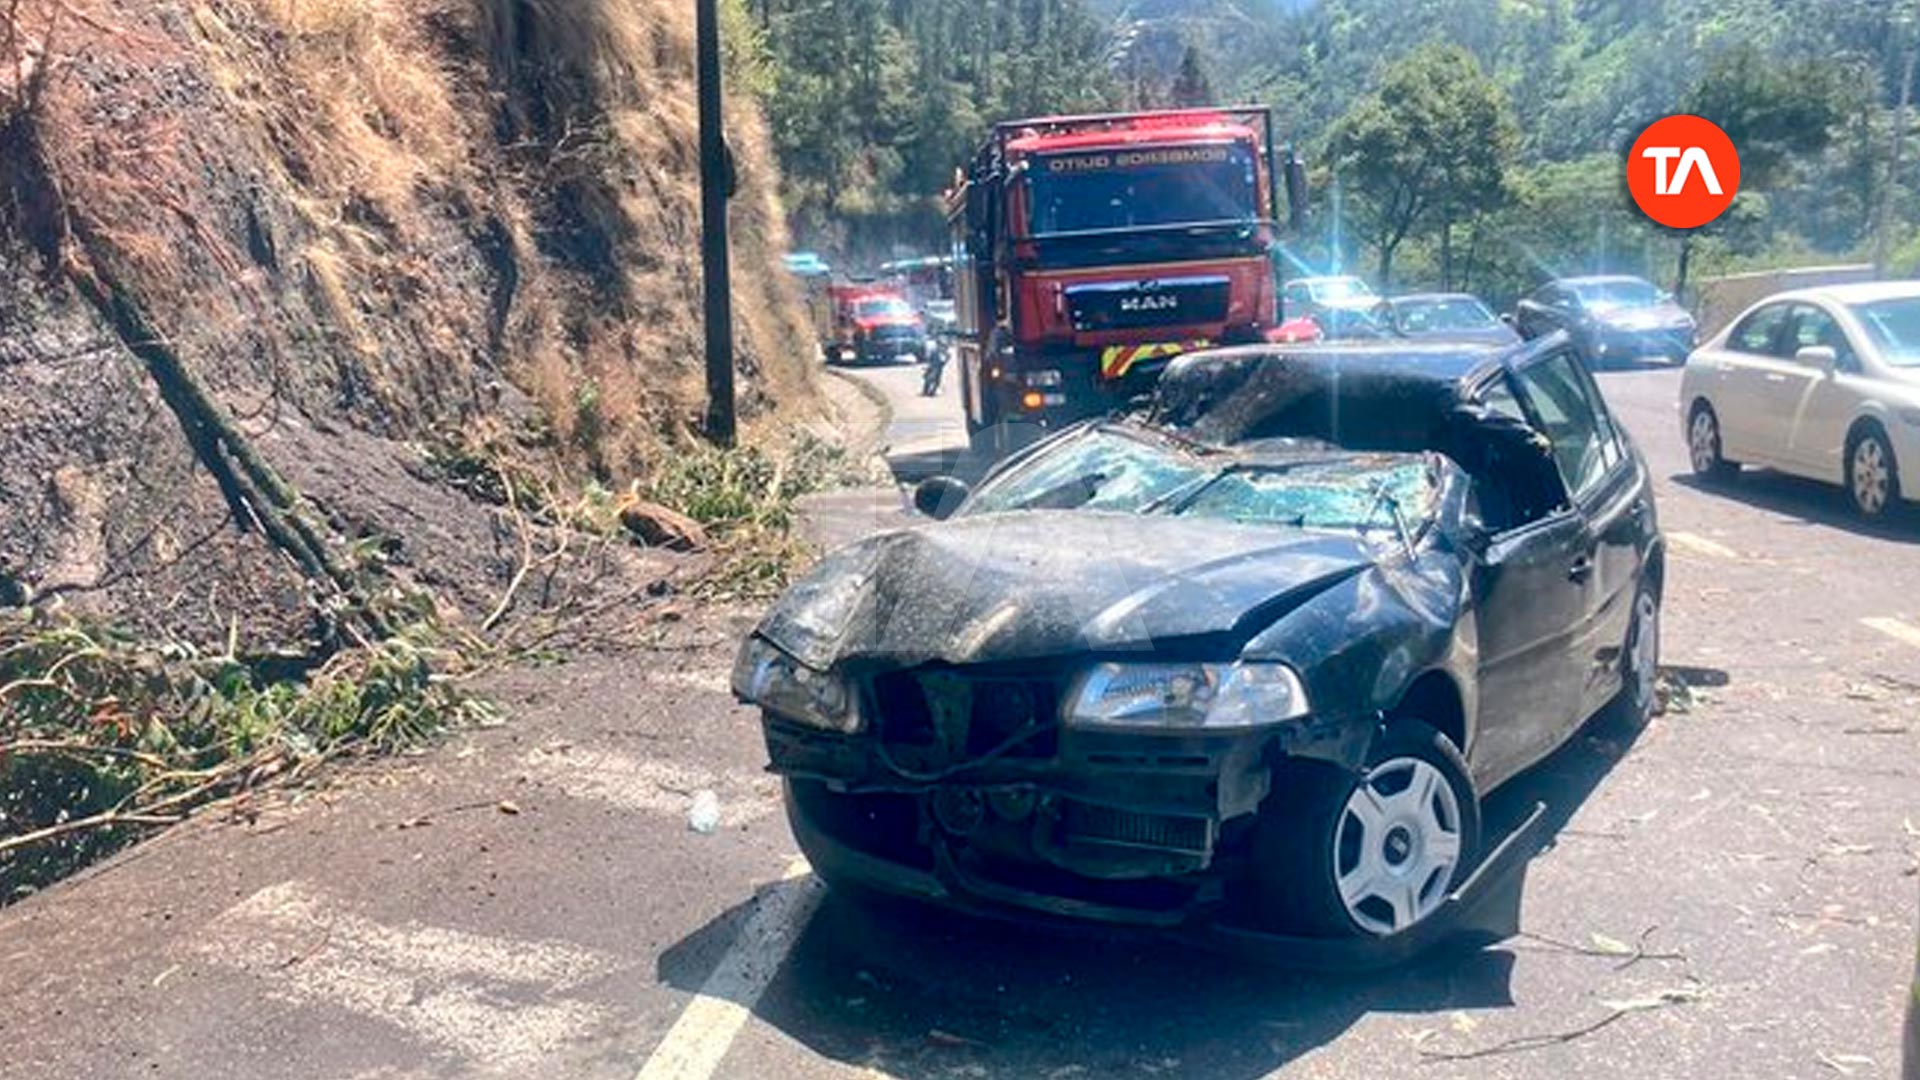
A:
<point x="1088" y="251"/>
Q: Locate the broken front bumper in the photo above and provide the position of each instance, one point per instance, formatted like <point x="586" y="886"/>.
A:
<point x="1092" y="814"/>
<point x="1482" y="910"/>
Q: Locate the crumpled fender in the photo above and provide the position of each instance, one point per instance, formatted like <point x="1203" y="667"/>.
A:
<point x="1360" y="645"/>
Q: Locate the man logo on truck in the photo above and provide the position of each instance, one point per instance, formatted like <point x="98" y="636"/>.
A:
<point x="1161" y="302"/>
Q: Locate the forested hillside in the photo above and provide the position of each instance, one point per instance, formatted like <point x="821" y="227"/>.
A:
<point x="874" y="103"/>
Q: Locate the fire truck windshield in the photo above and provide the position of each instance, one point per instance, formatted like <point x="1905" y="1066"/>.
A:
<point x="1103" y="190"/>
<point x="883" y="307"/>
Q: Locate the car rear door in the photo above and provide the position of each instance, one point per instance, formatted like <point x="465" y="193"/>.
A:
<point x="1748" y="379"/>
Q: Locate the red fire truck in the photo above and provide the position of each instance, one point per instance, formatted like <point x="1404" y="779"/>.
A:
<point x="873" y="323"/>
<point x="1090" y="250"/>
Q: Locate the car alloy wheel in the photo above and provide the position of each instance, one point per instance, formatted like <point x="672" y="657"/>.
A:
<point x="1870" y="475"/>
<point x="1397" y="846"/>
<point x="1703" y="445"/>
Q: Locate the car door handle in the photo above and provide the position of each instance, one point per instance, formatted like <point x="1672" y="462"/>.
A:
<point x="1580" y="571"/>
<point x="1776" y="377"/>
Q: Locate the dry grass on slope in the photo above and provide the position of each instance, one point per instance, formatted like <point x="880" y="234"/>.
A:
<point x="417" y="221"/>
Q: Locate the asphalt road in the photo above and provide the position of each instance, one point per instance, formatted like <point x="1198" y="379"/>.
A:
<point x="1731" y="894"/>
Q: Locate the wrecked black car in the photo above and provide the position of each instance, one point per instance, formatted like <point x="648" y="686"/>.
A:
<point x="1249" y="658"/>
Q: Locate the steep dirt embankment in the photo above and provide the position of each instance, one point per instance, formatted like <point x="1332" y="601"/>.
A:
<point x="257" y="255"/>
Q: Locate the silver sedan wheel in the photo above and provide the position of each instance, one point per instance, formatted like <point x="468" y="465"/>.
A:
<point x="1397" y="845"/>
<point x="1872" y="475"/>
<point x="1703" y="442"/>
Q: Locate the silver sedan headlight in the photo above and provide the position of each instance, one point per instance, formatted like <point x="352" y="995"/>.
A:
<point x="769" y="678"/>
<point x="1247" y="693"/>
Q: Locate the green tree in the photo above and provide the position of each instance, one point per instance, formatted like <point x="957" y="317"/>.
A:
<point x="1776" y="113"/>
<point x="1431" y="147"/>
<point x="1191" y="87"/>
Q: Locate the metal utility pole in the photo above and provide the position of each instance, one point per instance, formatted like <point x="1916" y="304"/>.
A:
<point x="1883" y="225"/>
<point x="716" y="185"/>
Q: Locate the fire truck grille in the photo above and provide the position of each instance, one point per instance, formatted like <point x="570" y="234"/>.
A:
<point x="1181" y="301"/>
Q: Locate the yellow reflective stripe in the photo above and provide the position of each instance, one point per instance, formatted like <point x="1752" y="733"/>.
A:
<point x="1117" y="360"/>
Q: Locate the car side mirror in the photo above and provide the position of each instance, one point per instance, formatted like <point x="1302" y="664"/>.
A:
<point x="939" y="496"/>
<point x="1507" y="317"/>
<point x="1818" y="356"/>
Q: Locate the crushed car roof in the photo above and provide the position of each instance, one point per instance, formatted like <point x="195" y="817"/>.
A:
<point x="1363" y="396"/>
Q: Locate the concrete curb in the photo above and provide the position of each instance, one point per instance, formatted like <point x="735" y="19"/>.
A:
<point x="877" y="439"/>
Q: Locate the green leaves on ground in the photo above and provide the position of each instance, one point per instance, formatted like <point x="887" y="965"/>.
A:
<point x="103" y="737"/>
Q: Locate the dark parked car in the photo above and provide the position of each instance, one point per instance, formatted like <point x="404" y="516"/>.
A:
<point x="1444" y="317"/>
<point x="1613" y="320"/>
<point x="1251" y="658"/>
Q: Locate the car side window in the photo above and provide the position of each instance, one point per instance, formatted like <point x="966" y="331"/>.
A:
<point x="1759" y="333"/>
<point x="1813" y="326"/>
<point x="1515" y="479"/>
<point x="1567" y="409"/>
<point x="1499" y="399"/>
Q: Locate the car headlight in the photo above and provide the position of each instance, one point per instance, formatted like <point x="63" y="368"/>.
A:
<point x="1243" y="694"/>
<point x="769" y="678"/>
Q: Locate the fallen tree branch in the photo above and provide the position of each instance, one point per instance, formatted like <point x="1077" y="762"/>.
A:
<point x="1609" y="949"/>
<point x="46" y="681"/>
<point x="104" y="819"/>
<point x="526" y="555"/>
<point x="79" y="749"/>
<point x="1523" y="1043"/>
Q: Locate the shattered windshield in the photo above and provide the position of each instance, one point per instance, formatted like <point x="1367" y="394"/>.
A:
<point x="887" y="308"/>
<point x="1129" y="468"/>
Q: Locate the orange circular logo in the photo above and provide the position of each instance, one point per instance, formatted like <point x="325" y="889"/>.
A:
<point x="1683" y="171"/>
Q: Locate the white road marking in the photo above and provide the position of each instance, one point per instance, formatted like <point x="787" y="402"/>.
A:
<point x="497" y="1003"/>
<point x="661" y="788"/>
<point x="1700" y="545"/>
<point x="699" y="1040"/>
<point x="1894" y="628"/>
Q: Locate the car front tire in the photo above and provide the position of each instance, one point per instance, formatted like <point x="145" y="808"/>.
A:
<point x="1372" y="853"/>
<point x="1640" y="662"/>
<point x="1873" y="476"/>
<point x="1703" y="445"/>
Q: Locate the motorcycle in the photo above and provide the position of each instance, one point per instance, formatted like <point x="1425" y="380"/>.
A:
<point x="933" y="366"/>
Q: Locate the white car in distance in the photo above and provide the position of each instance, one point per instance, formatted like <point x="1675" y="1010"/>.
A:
<point x="1822" y="383"/>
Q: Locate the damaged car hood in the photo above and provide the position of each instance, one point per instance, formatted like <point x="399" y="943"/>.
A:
<point x="1037" y="583"/>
